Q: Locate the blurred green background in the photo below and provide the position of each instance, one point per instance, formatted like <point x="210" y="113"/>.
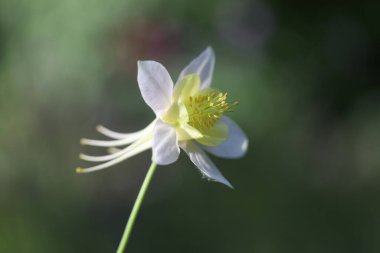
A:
<point x="305" y="74"/>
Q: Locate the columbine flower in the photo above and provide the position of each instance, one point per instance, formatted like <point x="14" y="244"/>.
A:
<point x="189" y="115"/>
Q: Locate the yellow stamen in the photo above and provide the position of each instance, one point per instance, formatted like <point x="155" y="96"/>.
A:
<point x="206" y="109"/>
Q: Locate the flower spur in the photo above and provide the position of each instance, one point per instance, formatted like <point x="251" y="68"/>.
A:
<point x="189" y="115"/>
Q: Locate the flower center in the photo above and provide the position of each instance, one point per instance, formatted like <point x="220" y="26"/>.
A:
<point x="206" y="109"/>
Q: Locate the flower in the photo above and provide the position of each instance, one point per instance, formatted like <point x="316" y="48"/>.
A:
<point x="189" y="115"/>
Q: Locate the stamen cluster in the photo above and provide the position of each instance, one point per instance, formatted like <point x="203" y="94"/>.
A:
<point x="206" y="109"/>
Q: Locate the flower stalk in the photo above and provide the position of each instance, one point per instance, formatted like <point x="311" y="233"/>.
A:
<point x="136" y="208"/>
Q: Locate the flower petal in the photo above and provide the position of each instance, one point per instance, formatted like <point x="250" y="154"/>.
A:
<point x="234" y="146"/>
<point x="204" y="164"/>
<point x="131" y="136"/>
<point x="203" y="65"/>
<point x="136" y="148"/>
<point x="155" y="84"/>
<point x="119" y="138"/>
<point x="165" y="145"/>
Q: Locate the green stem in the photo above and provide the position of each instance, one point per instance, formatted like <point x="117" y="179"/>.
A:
<point x="135" y="210"/>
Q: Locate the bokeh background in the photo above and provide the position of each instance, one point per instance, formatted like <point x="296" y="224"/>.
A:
<point x="306" y="74"/>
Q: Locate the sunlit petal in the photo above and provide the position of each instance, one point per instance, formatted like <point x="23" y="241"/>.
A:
<point x="155" y="84"/>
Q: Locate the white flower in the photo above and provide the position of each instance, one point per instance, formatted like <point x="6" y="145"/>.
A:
<point x="189" y="115"/>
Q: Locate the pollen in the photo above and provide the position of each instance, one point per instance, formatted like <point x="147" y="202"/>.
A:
<point x="206" y="109"/>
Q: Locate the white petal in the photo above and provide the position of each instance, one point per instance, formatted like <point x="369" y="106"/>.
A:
<point x="142" y="146"/>
<point x="155" y="84"/>
<point x="124" y="139"/>
<point x="113" y="155"/>
<point x="127" y="139"/>
<point x="102" y="158"/>
<point x="204" y="164"/>
<point x="203" y="65"/>
<point x="165" y="144"/>
<point x="100" y="143"/>
<point x="132" y="136"/>
<point x="234" y="146"/>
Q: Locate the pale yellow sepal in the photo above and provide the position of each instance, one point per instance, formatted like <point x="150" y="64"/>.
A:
<point x="187" y="87"/>
<point x="186" y="132"/>
<point x="215" y="135"/>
